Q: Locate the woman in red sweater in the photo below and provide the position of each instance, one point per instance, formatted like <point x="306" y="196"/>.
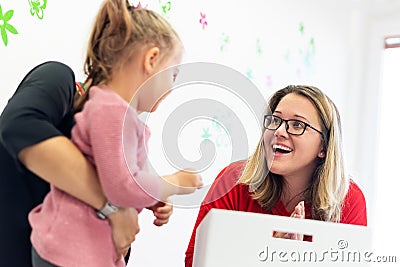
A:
<point x="297" y="168"/>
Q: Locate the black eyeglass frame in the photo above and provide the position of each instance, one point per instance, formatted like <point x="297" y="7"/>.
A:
<point x="287" y="125"/>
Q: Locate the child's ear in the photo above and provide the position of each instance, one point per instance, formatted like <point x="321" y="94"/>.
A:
<point x="151" y="58"/>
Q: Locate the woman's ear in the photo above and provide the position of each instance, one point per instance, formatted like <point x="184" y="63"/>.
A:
<point x="322" y="154"/>
<point x="151" y="59"/>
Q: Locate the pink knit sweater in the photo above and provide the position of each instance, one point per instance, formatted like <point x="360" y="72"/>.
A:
<point x="66" y="231"/>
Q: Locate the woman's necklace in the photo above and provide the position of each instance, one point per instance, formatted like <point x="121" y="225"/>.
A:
<point x="298" y="194"/>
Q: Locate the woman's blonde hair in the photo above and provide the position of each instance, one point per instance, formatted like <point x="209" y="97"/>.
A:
<point x="329" y="184"/>
<point x="118" y="33"/>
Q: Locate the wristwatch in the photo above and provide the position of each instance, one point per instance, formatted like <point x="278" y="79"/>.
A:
<point x="106" y="210"/>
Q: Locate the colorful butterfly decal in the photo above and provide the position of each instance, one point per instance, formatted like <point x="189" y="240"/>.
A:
<point x="165" y="7"/>
<point x="202" y="20"/>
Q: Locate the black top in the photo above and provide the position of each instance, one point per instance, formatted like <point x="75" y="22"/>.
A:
<point x="38" y="110"/>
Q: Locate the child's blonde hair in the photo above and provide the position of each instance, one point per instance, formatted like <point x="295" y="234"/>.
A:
<point x="329" y="184"/>
<point x="118" y="33"/>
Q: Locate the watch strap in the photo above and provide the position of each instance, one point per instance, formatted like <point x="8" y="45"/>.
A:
<point x="107" y="210"/>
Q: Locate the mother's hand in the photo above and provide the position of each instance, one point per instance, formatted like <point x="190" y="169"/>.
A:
<point x="125" y="226"/>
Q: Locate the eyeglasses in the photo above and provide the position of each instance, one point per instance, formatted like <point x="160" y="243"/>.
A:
<point x="294" y="127"/>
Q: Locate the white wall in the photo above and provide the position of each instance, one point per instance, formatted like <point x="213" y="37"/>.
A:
<point x="264" y="40"/>
<point x="375" y="20"/>
<point x="381" y="186"/>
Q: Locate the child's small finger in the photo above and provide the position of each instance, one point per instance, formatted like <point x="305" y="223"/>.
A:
<point x="299" y="209"/>
<point x="160" y="222"/>
<point x="162" y="216"/>
<point x="165" y="208"/>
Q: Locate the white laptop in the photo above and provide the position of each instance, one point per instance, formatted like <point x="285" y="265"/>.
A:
<point x="233" y="238"/>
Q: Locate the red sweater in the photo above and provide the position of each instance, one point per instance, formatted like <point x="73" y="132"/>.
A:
<point x="225" y="193"/>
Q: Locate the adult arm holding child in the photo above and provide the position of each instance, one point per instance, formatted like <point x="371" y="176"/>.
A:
<point x="71" y="172"/>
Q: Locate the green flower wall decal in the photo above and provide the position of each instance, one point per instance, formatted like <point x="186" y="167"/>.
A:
<point x="5" y="25"/>
<point x="38" y="7"/>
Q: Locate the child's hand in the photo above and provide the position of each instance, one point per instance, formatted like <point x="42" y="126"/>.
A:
<point x="162" y="211"/>
<point x="186" y="181"/>
<point x="300" y="213"/>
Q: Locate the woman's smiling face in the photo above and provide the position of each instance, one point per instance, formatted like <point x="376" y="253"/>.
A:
<point x="288" y="154"/>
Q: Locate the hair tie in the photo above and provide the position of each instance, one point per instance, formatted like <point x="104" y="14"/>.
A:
<point x="80" y="88"/>
<point x="139" y="6"/>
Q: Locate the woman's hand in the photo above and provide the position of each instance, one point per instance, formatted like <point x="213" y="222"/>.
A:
<point x="300" y="213"/>
<point x="125" y="226"/>
<point x="162" y="211"/>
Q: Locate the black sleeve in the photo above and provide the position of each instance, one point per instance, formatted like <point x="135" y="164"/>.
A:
<point x="37" y="107"/>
